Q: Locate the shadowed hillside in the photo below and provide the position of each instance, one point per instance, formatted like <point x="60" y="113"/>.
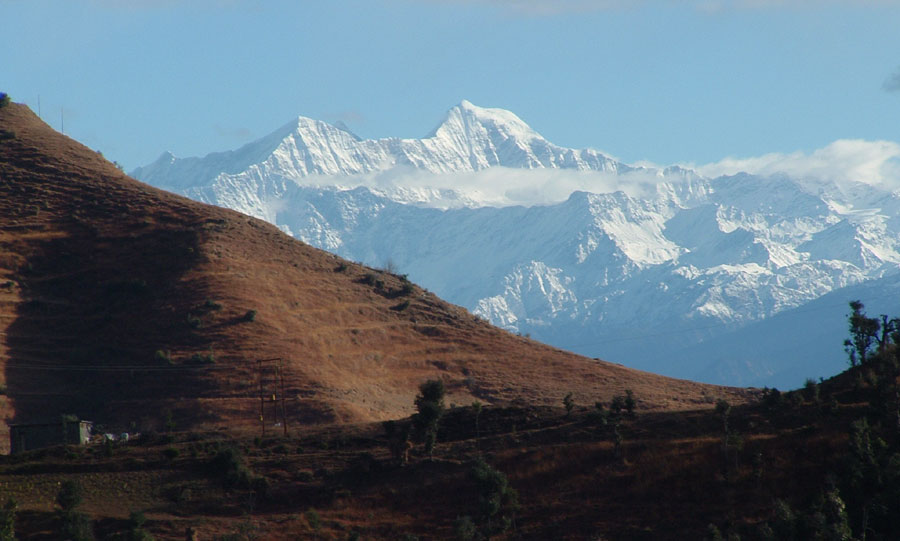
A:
<point x="138" y="308"/>
<point x="123" y="304"/>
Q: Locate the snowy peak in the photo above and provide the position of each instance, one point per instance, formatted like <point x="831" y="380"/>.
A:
<point x="497" y="137"/>
<point x="488" y="137"/>
<point x="315" y="147"/>
<point x="474" y="123"/>
<point x="471" y="138"/>
<point x="311" y="129"/>
<point x="570" y="245"/>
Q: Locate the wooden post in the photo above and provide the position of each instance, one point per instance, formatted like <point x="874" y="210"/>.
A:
<point x="262" y="394"/>
<point x="262" y="400"/>
<point x="283" y="407"/>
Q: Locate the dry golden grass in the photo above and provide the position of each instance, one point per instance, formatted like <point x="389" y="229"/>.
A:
<point x="106" y="271"/>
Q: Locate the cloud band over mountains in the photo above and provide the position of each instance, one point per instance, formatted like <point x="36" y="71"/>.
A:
<point x="872" y="162"/>
<point x="875" y="163"/>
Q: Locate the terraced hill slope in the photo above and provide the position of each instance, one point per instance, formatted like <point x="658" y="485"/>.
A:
<point x="131" y="306"/>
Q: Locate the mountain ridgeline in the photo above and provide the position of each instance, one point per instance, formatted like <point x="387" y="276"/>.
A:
<point x="661" y="269"/>
<point x="130" y="306"/>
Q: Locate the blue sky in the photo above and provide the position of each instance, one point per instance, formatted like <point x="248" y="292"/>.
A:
<point x="664" y="81"/>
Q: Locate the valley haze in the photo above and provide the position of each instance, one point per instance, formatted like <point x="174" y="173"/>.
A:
<point x="666" y="269"/>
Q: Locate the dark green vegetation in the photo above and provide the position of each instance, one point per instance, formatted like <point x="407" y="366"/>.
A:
<point x="430" y="407"/>
<point x="821" y="462"/>
<point x="76" y="525"/>
<point x="5" y="135"/>
<point x="858" y="491"/>
<point x="8" y="520"/>
<point x="869" y="335"/>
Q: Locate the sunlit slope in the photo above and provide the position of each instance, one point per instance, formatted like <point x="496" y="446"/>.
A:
<point x="123" y="303"/>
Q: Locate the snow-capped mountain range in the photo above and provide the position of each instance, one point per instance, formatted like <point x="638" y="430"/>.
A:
<point x="638" y="265"/>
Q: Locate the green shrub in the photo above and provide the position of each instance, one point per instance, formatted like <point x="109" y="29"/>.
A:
<point x="772" y="399"/>
<point x="261" y="487"/>
<point x="630" y="402"/>
<point x="197" y="358"/>
<point x="229" y="464"/>
<point x="136" y="521"/>
<point x="281" y="449"/>
<point x="811" y="390"/>
<point x="465" y="529"/>
<point x="170" y="453"/>
<point x="569" y="403"/>
<point x="250" y="315"/>
<point x="8" y="520"/>
<point x="69" y="496"/>
<point x="430" y="406"/>
<point x="163" y="356"/>
<point x="497" y="501"/>
<point x="617" y="404"/>
<point x="75" y="526"/>
<point x="314" y="520"/>
<point x="4" y="99"/>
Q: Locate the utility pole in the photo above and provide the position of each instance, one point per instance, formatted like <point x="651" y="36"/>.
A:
<point x="279" y="374"/>
<point x="283" y="408"/>
<point x="262" y="410"/>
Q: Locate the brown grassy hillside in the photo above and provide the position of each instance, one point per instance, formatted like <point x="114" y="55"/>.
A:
<point x="122" y="303"/>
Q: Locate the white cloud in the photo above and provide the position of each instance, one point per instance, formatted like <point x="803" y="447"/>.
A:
<point x="496" y="186"/>
<point x="873" y="162"/>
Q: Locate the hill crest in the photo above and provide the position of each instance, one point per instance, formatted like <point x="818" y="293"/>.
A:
<point x="124" y="303"/>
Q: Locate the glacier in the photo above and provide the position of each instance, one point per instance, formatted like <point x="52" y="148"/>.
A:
<point x="652" y="267"/>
